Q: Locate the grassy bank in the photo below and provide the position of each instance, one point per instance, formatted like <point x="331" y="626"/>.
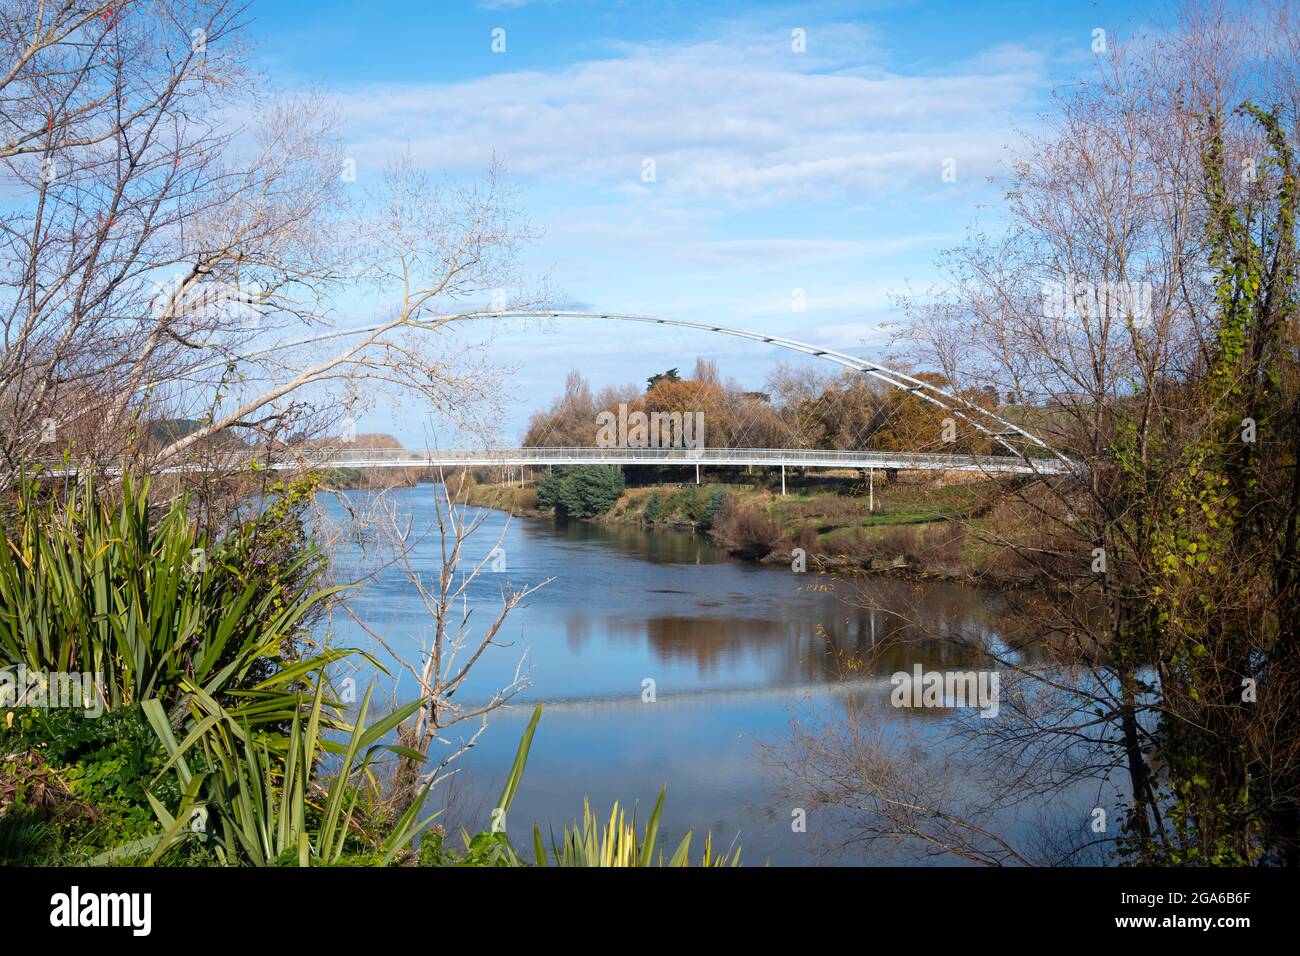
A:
<point x="516" y="499"/>
<point x="917" y="527"/>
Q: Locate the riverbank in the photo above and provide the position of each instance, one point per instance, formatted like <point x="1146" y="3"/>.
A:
<point x="515" y="499"/>
<point x="904" y="528"/>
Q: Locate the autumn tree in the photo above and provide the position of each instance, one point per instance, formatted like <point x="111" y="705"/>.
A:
<point x="569" y="422"/>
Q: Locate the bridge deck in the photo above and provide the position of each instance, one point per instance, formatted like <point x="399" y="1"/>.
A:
<point x="350" y="457"/>
<point x="791" y="457"/>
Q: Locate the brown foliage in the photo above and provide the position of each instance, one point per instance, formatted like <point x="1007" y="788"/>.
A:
<point x="746" y="528"/>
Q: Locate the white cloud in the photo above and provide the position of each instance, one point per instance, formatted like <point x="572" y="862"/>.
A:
<point x="737" y="119"/>
<point x="774" y="170"/>
<point x="848" y="336"/>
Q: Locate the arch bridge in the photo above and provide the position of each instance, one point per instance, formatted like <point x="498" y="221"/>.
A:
<point x="1024" y="452"/>
<point x="1015" y="440"/>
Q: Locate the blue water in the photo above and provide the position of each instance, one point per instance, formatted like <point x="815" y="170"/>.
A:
<point x="736" y="651"/>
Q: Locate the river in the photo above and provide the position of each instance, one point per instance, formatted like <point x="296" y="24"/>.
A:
<point x="660" y="661"/>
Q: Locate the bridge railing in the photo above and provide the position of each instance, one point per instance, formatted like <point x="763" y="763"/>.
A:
<point x="342" y="456"/>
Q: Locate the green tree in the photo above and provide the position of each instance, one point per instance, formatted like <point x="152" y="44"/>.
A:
<point x="714" y="506"/>
<point x="668" y="376"/>
<point x="581" y="491"/>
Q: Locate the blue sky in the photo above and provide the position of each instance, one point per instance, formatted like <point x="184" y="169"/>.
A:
<point x="775" y="170"/>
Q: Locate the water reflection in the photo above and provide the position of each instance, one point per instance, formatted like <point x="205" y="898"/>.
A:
<point x="734" y="650"/>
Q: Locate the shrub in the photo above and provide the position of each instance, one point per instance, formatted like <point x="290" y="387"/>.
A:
<point x="698" y="506"/>
<point x="687" y="502"/>
<point x="850" y="543"/>
<point x="145" y="600"/>
<point x="746" y="529"/>
<point x="899" y="542"/>
<point x="945" y="543"/>
<point x="548" y="489"/>
<point x="80" y="782"/>
<point x="617" y="844"/>
<point x="805" y="536"/>
<point x="581" y="491"/>
<point x="714" y="506"/>
<point x="263" y="799"/>
<point x="463" y="479"/>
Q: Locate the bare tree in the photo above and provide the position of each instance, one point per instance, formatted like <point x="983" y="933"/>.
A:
<point x="180" y="247"/>
<point x="452" y="647"/>
<point x="570" y="422"/>
<point x="106" y="132"/>
<point x="424" y="244"/>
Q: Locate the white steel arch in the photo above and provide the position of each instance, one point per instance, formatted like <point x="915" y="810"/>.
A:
<point x="986" y="422"/>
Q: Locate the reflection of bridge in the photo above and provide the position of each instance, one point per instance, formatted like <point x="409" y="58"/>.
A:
<point x="792" y="457"/>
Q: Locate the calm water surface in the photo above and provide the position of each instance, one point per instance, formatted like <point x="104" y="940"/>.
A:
<point x="735" y="651"/>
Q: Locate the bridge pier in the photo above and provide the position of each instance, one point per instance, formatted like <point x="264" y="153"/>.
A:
<point x="783" y="480"/>
<point x="697" y="472"/>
